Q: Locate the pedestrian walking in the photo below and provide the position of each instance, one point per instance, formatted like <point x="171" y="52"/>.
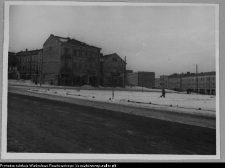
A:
<point x="163" y="93"/>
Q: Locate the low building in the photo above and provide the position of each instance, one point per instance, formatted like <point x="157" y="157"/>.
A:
<point x="141" y="78"/>
<point x="204" y="82"/>
<point x="113" y="70"/>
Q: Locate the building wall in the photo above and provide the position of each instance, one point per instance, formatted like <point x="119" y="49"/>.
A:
<point x="11" y="59"/>
<point x="79" y="65"/>
<point x="27" y="64"/>
<point x="174" y="83"/>
<point x="146" y="79"/>
<point x="202" y="82"/>
<point x="132" y="79"/>
<point x="51" y="60"/>
<point x="164" y="81"/>
<point x="143" y="79"/>
<point x="157" y="83"/>
<point x="114" y="69"/>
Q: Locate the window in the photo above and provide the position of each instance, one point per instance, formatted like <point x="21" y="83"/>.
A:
<point x="75" y="65"/>
<point x="85" y="65"/>
<point x="114" y="59"/>
<point x="83" y="54"/>
<point x="80" y="66"/>
<point x="74" y="53"/>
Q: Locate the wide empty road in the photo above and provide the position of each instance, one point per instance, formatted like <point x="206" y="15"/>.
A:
<point x="49" y="126"/>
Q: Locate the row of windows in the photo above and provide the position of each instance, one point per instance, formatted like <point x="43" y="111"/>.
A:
<point x="29" y="59"/>
<point x="200" y="79"/>
<point x="113" y="69"/>
<point x="28" y="68"/>
<point x="201" y="84"/>
<point x="82" y="66"/>
<point x="80" y="53"/>
<point x="194" y="79"/>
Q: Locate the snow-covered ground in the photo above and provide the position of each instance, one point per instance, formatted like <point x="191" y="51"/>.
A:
<point x="150" y="99"/>
<point x="145" y="99"/>
<point x="20" y="82"/>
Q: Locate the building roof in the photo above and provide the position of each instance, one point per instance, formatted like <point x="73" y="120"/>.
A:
<point x="145" y="72"/>
<point x="191" y="74"/>
<point x="67" y="40"/>
<point x="27" y="53"/>
<point x="105" y="57"/>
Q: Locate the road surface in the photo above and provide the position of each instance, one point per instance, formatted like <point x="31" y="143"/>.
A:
<point x="40" y="125"/>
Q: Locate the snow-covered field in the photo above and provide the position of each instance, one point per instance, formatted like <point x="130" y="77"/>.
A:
<point x="150" y="99"/>
<point x="144" y="99"/>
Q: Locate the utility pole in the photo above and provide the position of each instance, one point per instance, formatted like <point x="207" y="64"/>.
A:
<point x="41" y="74"/>
<point x="125" y="74"/>
<point x="209" y="84"/>
<point x="197" y="77"/>
<point x="30" y="65"/>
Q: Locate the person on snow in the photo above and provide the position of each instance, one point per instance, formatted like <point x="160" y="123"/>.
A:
<point x="163" y="93"/>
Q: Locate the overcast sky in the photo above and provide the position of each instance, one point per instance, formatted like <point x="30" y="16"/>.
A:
<point x="160" y="39"/>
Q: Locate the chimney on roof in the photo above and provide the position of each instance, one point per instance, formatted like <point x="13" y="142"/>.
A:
<point x="26" y="49"/>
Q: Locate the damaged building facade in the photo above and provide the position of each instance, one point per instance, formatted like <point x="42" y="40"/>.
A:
<point x="69" y="62"/>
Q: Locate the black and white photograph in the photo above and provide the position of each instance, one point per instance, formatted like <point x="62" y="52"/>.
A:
<point x="110" y="80"/>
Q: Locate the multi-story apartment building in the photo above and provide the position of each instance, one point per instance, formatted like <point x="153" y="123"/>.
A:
<point x="143" y="79"/>
<point x="113" y="70"/>
<point x="70" y="62"/>
<point x="29" y="64"/>
<point x="201" y="82"/>
<point x="163" y="81"/>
